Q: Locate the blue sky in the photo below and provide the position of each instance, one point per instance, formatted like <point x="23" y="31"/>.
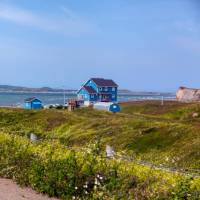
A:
<point x="141" y="44"/>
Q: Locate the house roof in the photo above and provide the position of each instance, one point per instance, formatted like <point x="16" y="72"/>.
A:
<point x="31" y="99"/>
<point x="89" y="89"/>
<point x="104" y="82"/>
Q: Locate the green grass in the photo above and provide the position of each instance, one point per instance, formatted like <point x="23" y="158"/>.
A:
<point x="162" y="135"/>
<point x="166" y="135"/>
<point x="53" y="169"/>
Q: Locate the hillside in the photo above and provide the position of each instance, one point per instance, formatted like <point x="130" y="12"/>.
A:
<point x="144" y="132"/>
<point x="149" y="131"/>
<point x="9" y="88"/>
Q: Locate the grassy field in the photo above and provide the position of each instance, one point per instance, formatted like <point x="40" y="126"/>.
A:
<point x="165" y="136"/>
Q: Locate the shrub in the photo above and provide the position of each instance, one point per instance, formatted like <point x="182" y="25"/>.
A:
<point x="53" y="169"/>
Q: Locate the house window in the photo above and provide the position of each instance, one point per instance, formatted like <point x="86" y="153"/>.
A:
<point x="106" y="89"/>
<point x="92" y="96"/>
<point x="113" y="89"/>
<point x="113" y="96"/>
<point x="100" y="88"/>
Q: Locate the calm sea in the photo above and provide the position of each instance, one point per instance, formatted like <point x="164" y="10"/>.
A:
<point x="17" y="99"/>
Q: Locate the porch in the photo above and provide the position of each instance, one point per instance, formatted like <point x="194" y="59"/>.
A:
<point x="104" y="97"/>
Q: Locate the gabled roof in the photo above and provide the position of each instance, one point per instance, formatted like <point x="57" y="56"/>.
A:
<point x="90" y="90"/>
<point x="31" y="99"/>
<point x="101" y="82"/>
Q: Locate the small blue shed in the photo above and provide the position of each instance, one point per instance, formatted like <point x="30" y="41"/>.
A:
<point x="32" y="103"/>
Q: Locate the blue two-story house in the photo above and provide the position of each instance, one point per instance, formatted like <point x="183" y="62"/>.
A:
<point x="98" y="90"/>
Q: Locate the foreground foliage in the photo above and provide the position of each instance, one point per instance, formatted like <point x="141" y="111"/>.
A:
<point x="51" y="168"/>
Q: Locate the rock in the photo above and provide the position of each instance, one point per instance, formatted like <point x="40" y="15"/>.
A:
<point x="109" y="152"/>
<point x="188" y="94"/>
<point x="33" y="137"/>
<point x="194" y="115"/>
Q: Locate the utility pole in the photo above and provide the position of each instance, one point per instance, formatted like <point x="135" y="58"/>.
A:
<point x="64" y="96"/>
<point x="162" y="101"/>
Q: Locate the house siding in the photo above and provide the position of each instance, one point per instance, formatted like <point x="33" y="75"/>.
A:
<point x="92" y="84"/>
<point x="27" y="105"/>
<point x="103" y="93"/>
<point x="109" y="90"/>
<point x="83" y="93"/>
<point x="35" y="104"/>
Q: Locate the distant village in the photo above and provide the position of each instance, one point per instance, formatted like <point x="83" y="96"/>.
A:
<point x="98" y="93"/>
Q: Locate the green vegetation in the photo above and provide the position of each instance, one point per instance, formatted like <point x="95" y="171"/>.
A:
<point x="51" y="168"/>
<point x="165" y="136"/>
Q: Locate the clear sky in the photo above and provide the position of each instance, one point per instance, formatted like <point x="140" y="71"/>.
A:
<point x="148" y="45"/>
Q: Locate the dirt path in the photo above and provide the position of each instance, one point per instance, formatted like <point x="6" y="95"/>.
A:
<point x="11" y="191"/>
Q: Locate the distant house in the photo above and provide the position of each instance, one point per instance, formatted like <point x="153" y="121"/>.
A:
<point x="32" y="103"/>
<point x="98" y="90"/>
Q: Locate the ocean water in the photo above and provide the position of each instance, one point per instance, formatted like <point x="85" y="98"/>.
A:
<point x="17" y="99"/>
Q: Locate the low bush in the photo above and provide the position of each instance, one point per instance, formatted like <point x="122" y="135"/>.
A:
<point x="53" y="169"/>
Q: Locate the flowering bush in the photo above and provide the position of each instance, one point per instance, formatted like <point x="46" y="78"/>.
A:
<point x="53" y="169"/>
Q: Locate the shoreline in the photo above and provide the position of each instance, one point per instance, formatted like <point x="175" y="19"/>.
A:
<point x="120" y="102"/>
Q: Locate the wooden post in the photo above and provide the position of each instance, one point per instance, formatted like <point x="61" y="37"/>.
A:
<point x="162" y="101"/>
<point x="33" y="137"/>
